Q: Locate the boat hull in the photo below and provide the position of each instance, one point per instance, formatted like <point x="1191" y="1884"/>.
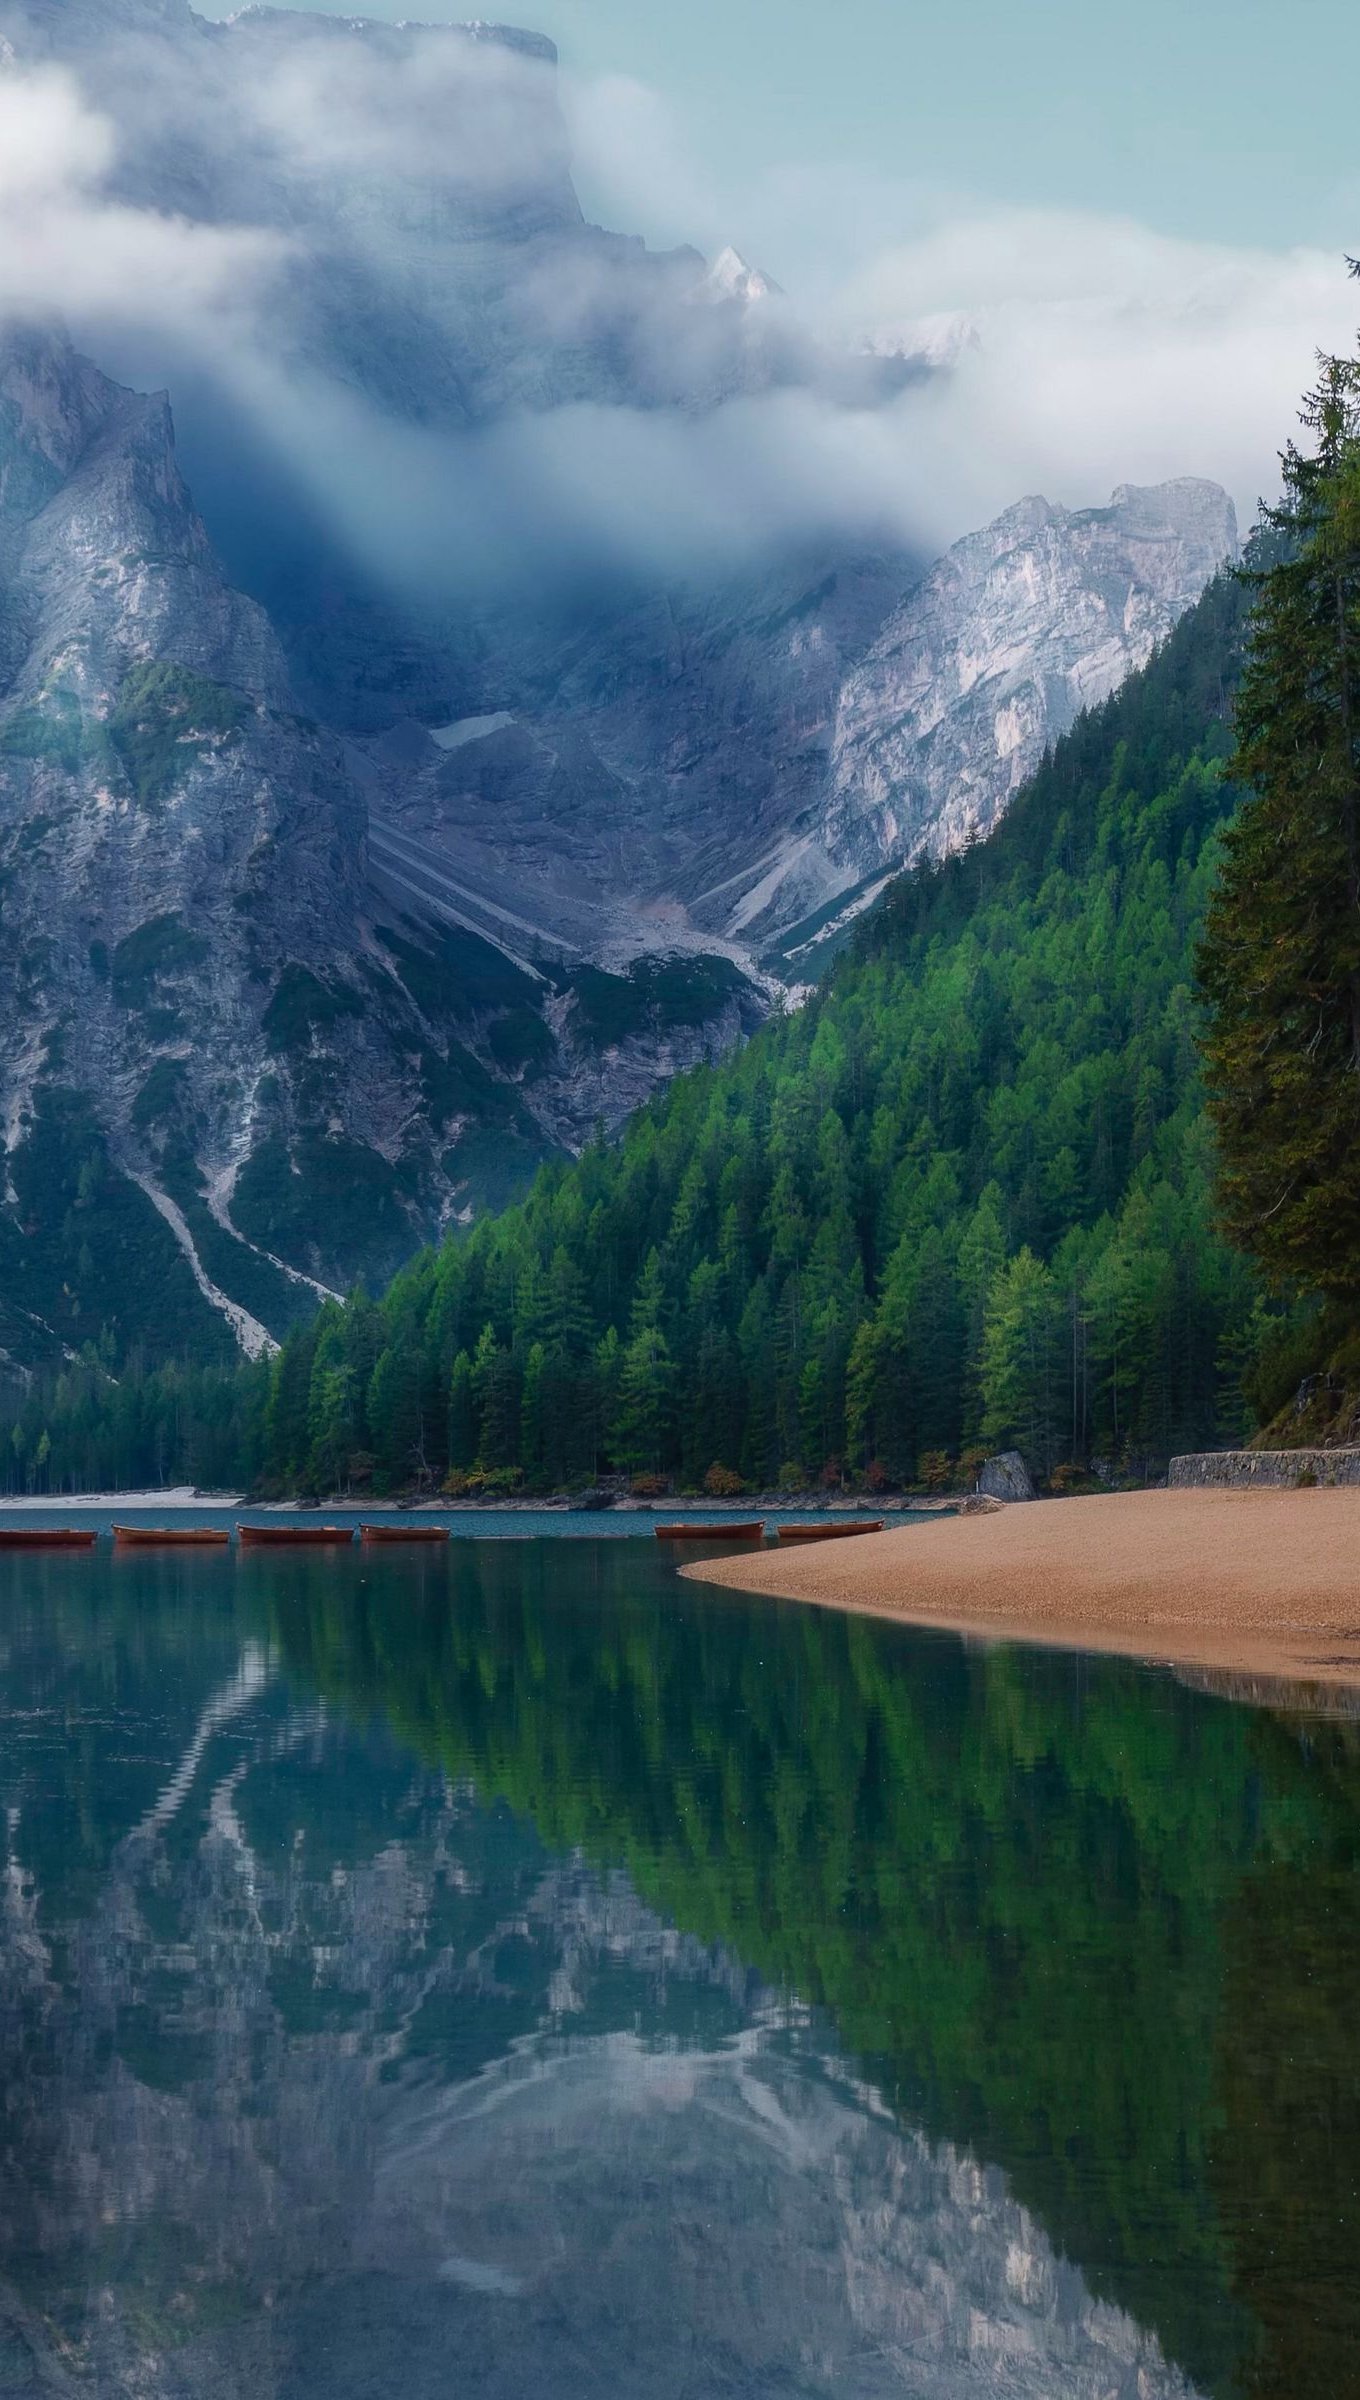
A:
<point x="46" y="1537"/>
<point x="711" y="1533"/>
<point x="171" y="1537"/>
<point x="826" y="1533"/>
<point x="295" y="1537"/>
<point x="403" y="1533"/>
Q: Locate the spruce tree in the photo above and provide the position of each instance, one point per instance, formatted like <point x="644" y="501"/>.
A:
<point x="1280" y="960"/>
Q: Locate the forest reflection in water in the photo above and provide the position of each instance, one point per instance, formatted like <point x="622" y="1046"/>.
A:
<point x="516" y="1970"/>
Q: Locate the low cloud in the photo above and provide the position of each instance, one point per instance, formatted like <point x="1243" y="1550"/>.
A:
<point x="68" y="247"/>
<point x="1077" y="349"/>
<point x="370" y="245"/>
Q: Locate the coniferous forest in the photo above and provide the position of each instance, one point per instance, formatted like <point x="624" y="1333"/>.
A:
<point x="961" y="1200"/>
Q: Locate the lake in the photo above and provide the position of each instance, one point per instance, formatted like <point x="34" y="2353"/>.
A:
<point x="515" y="1972"/>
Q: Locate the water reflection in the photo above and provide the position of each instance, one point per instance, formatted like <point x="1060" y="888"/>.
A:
<point x="517" y="1973"/>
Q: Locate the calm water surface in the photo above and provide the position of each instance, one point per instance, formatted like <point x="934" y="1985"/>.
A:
<point x="514" y="1972"/>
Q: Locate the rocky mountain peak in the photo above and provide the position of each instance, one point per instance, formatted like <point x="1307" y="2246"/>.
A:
<point x="730" y="278"/>
<point x="996" y="652"/>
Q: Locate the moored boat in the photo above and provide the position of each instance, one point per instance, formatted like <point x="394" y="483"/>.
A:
<point x="828" y="1533"/>
<point x="179" y="1537"/>
<point x="403" y="1533"/>
<point x="47" y="1537"/>
<point x="278" y="1537"/>
<point x="712" y="1533"/>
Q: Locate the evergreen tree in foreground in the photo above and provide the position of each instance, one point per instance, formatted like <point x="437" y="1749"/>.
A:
<point x="1280" y="958"/>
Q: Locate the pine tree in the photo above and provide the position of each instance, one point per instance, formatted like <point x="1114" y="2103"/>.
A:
<point x="1021" y="1361"/>
<point x="1280" y="959"/>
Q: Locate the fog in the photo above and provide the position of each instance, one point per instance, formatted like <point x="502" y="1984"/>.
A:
<point x="369" y="249"/>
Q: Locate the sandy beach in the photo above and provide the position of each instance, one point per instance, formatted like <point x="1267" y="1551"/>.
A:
<point x="1260" y="1583"/>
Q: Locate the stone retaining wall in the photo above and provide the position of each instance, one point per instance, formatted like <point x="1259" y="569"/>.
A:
<point x="1280" y="1468"/>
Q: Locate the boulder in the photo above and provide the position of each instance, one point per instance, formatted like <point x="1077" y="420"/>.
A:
<point x="1006" y="1477"/>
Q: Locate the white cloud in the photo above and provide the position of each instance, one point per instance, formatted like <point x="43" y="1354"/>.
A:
<point x="1089" y="349"/>
<point x="1103" y="352"/>
<point x="633" y="162"/>
<point x="435" y="111"/>
<point x="68" y="248"/>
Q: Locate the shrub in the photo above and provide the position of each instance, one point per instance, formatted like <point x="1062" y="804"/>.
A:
<point x="166" y="719"/>
<point x="935" y="1470"/>
<point x="163" y="946"/>
<point x="721" y="1483"/>
<point x="649" y="1487"/>
<point x="482" y="1483"/>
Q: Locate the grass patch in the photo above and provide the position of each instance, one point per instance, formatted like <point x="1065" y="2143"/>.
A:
<point x="521" y="1043"/>
<point x="657" y="995"/>
<point x="167" y="718"/>
<point x="302" y="1006"/>
<point x="162" y="947"/>
<point x="85" y="1250"/>
<point x="454" y="976"/>
<point x="492" y="1166"/>
<point x="328" y="1205"/>
<point x="57" y="734"/>
<point x="159" y="1099"/>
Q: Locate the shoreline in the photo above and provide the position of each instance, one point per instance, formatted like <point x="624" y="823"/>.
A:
<point x="555" y="1503"/>
<point x="1258" y="1583"/>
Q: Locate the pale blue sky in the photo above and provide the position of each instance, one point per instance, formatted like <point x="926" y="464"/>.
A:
<point x="1235" y="119"/>
<point x="1232" y="120"/>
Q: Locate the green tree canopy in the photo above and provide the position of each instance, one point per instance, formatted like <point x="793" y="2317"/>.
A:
<point x="1280" y="959"/>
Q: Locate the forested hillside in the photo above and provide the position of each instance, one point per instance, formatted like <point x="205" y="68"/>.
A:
<point x="961" y="1199"/>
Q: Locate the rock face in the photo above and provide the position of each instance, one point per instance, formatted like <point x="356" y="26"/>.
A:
<point x="997" y="652"/>
<point x="1244" y="1470"/>
<point x="1006" y="1477"/>
<point x="232" y="1071"/>
<point x="746" y="765"/>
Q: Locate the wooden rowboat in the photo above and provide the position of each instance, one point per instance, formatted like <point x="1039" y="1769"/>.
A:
<point x="46" y="1537"/>
<point x="403" y="1533"/>
<point x="712" y="1533"/>
<point x="277" y="1537"/>
<point x="827" y="1533"/>
<point x="149" y="1537"/>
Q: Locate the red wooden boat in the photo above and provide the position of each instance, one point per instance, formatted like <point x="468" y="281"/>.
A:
<point x="403" y="1533"/>
<point x="712" y="1533"/>
<point x="828" y="1533"/>
<point x="291" y="1537"/>
<point x="179" y="1537"/>
<point x="46" y="1537"/>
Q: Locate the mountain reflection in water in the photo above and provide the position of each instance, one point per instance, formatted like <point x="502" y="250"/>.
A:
<point x="516" y="1972"/>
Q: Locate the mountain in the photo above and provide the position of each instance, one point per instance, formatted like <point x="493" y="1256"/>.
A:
<point x="997" y="652"/>
<point x="961" y="1199"/>
<point x="466" y="404"/>
<point x="233" y="1074"/>
<point x="373" y="826"/>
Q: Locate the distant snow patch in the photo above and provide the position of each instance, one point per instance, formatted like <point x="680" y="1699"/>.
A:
<point x="476" y="2277"/>
<point x="470" y="729"/>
